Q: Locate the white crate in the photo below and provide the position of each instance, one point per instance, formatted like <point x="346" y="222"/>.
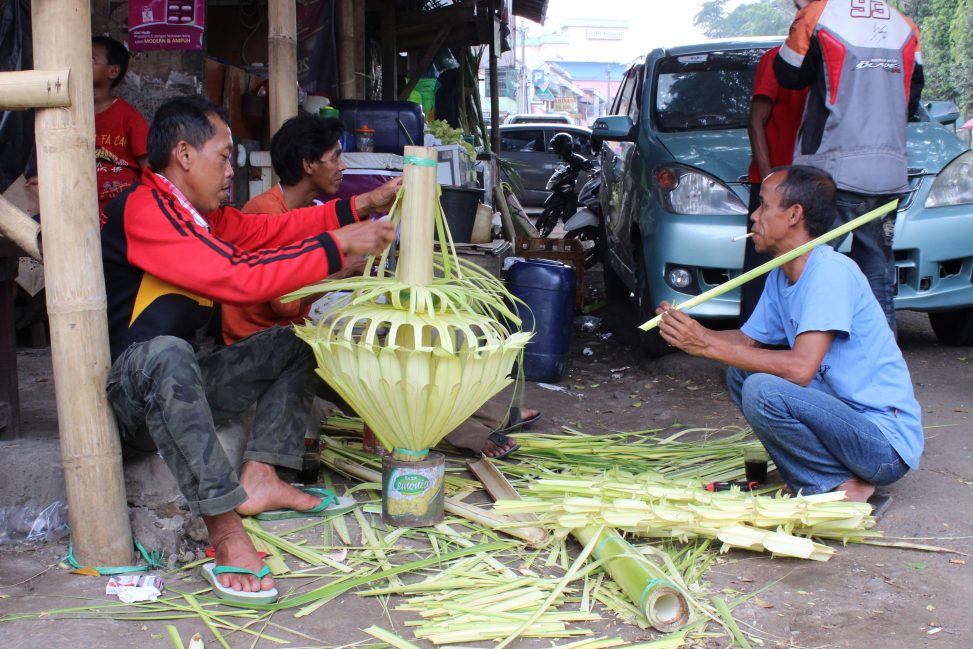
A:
<point x="455" y="166"/>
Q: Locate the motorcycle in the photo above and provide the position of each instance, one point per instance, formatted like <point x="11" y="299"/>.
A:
<point x="563" y="201"/>
<point x="585" y="224"/>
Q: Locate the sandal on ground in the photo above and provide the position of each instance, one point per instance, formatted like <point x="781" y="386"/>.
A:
<point x="514" y="421"/>
<point x="500" y="441"/>
<point x="211" y="572"/>
<point x="880" y="504"/>
<point x="330" y="505"/>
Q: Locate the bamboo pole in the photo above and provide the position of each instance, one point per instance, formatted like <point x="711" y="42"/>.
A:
<point x="20" y="228"/>
<point x="505" y="217"/>
<point x="346" y="49"/>
<point x="23" y="89"/>
<point x="75" y="286"/>
<point x="282" y="59"/>
<point x="418" y="209"/>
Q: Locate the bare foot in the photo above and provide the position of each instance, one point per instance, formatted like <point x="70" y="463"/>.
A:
<point x="491" y="449"/>
<point x="266" y="492"/>
<point x="856" y="489"/>
<point x="233" y="548"/>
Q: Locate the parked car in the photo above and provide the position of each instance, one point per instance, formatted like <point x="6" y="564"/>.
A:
<point x="674" y="192"/>
<point x="539" y="118"/>
<point x="527" y="148"/>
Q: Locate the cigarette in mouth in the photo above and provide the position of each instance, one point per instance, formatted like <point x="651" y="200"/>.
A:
<point x="743" y="236"/>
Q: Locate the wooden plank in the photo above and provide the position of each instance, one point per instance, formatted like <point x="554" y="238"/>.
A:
<point x="498" y="487"/>
<point x="425" y="61"/>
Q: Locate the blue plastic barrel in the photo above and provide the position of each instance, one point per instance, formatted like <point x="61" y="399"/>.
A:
<point x="547" y="288"/>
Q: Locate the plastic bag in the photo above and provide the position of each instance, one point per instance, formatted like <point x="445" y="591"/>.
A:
<point x="34" y="523"/>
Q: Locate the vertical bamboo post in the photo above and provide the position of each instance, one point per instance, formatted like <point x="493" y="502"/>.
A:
<point x="90" y="447"/>
<point x="418" y="222"/>
<point x="282" y="59"/>
<point x="346" y="48"/>
<point x="494" y="52"/>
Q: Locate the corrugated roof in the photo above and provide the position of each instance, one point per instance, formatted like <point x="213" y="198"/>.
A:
<point x="535" y="10"/>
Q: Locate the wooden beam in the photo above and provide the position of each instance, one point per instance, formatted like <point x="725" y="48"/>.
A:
<point x="24" y="89"/>
<point x="20" y="228"/>
<point x="282" y="59"/>
<point x="346" y="49"/>
<point x="494" y="83"/>
<point x="390" y="54"/>
<point x="425" y="62"/>
<point x="75" y="288"/>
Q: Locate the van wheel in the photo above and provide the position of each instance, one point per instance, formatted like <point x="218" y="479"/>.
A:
<point x="651" y="341"/>
<point x="954" y="328"/>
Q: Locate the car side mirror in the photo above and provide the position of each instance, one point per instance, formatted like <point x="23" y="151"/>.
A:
<point x="944" y="112"/>
<point x="616" y="128"/>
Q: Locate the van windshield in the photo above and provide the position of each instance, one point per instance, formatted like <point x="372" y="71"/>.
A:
<point x="705" y="91"/>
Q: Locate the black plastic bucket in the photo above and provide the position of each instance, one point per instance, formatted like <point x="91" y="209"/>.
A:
<point x="459" y="208"/>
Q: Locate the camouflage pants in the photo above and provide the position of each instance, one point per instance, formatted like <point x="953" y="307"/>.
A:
<point x="166" y="397"/>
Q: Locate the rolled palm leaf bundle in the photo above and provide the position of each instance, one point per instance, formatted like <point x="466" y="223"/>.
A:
<point x="417" y="353"/>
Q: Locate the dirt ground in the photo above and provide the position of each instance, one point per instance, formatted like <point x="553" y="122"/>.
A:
<point x="864" y="597"/>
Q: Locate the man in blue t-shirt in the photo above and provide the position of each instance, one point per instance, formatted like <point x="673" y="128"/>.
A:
<point x="835" y="408"/>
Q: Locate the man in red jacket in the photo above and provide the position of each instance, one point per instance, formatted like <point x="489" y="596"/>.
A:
<point x="170" y="252"/>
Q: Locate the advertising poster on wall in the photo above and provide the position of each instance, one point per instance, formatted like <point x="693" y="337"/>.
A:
<point x="165" y="24"/>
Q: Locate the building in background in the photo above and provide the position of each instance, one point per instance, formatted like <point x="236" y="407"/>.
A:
<point x="574" y="62"/>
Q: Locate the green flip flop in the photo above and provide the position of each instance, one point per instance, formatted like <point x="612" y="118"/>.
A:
<point x="211" y="571"/>
<point x="330" y="505"/>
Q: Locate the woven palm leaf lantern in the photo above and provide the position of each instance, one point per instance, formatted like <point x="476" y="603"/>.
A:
<point x="416" y="353"/>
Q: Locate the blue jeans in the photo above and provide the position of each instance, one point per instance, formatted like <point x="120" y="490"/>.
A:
<point x="816" y="440"/>
<point x="871" y="246"/>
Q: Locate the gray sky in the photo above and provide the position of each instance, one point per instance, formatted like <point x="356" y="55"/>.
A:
<point x="651" y="22"/>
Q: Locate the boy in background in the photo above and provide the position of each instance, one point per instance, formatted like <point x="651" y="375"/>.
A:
<point x="120" y="130"/>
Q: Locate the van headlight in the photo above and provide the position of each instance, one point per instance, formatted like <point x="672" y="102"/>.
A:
<point x="954" y="184"/>
<point x="686" y="191"/>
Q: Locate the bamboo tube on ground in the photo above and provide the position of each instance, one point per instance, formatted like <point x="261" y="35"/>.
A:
<point x="663" y="605"/>
<point x="282" y="60"/>
<point x="75" y="285"/>
<point x="22" y="89"/>
<point x="20" y="228"/>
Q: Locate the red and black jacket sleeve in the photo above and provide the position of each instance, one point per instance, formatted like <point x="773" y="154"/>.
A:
<point x="243" y="258"/>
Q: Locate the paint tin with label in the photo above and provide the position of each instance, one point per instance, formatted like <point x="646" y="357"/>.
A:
<point x="412" y="492"/>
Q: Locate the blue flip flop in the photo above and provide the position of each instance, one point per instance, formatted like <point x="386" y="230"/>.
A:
<point x="211" y="571"/>
<point x="330" y="505"/>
